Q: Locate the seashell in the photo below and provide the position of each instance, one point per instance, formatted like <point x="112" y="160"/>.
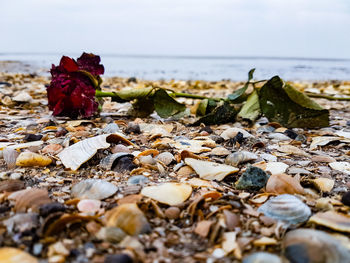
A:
<point x="220" y="151"/>
<point x="253" y="178"/>
<point x="286" y="208"/>
<point x="278" y="136"/>
<point x="166" y="158"/>
<point x="120" y="148"/>
<point x="22" y="222"/>
<point x="110" y="161"/>
<point x="264" y="241"/>
<point x="232" y="220"/>
<point x="168" y="193"/>
<point x="276" y="167"/>
<point x="137" y="179"/>
<point x="232" y="132"/>
<point x="284" y="184"/>
<point x="210" y="170"/>
<point x="50" y="208"/>
<point x="74" y="156"/>
<point x="324" y="140"/>
<point x="51" y="228"/>
<point x="341" y="166"/>
<point x="11" y="185"/>
<point x="52" y="149"/>
<point x="346" y="198"/>
<point x="28" y="159"/>
<point x="203" y="227"/>
<point x="129" y="218"/>
<point x="30" y="198"/>
<point x="172" y="212"/>
<point x="323" y="159"/>
<point x="195" y="146"/>
<point x="293" y="150"/>
<point x="268" y="157"/>
<point x="89" y="205"/>
<point x="111" y="128"/>
<point x="333" y="220"/>
<point x="323" y="184"/>
<point x="262" y="257"/>
<point x="152" y="152"/>
<point x="93" y="189"/>
<point x="10" y="156"/>
<point x="15" y="255"/>
<point x="148" y="159"/>
<point x="24" y="145"/>
<point x="309" y="245"/>
<point x="111" y="234"/>
<point x="237" y="158"/>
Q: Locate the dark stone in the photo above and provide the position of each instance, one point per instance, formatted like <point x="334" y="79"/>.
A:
<point x="348" y="123"/>
<point x="291" y="134"/>
<point x="297" y="254"/>
<point x="133" y="128"/>
<point x="253" y="178"/>
<point x="61" y="132"/>
<point x="119" y="258"/>
<point x="124" y="163"/>
<point x="132" y="79"/>
<point x="346" y="198"/>
<point x="206" y="129"/>
<point x="50" y="208"/>
<point x="29" y="137"/>
<point x="217" y="139"/>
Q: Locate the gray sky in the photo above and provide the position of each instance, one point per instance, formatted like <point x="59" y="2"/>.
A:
<point x="293" y="28"/>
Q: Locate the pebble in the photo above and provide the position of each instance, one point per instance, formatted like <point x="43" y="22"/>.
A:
<point x="253" y="178"/>
<point x="29" y="137"/>
<point x="291" y="134"/>
<point x="346" y="198"/>
<point x="15" y="176"/>
<point x="118" y="258"/>
<point x="133" y="128"/>
<point x="172" y="212"/>
<point x="278" y="137"/>
<point x="137" y="180"/>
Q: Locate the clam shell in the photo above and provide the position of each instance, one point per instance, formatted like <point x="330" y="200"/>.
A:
<point x="89" y="205"/>
<point x="165" y="157"/>
<point x="276" y="167"/>
<point x="210" y="170"/>
<point x="232" y="132"/>
<point x="286" y="208"/>
<point x="323" y="184"/>
<point x="30" y="198"/>
<point x="341" y="166"/>
<point x="32" y="159"/>
<point x="284" y="184"/>
<point x="111" y="234"/>
<point x="109" y="161"/>
<point x="111" y="128"/>
<point x="93" y="189"/>
<point x="11" y="185"/>
<point x="52" y="149"/>
<point x="168" y="193"/>
<point x="10" y="156"/>
<point x="74" y="156"/>
<point x="236" y="158"/>
<point x="220" y="151"/>
<point x="14" y="255"/>
<point x="262" y="257"/>
<point x="129" y="218"/>
<point x="309" y="245"/>
<point x="333" y="220"/>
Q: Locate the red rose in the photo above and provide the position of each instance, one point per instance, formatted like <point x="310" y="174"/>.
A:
<point x="73" y="86"/>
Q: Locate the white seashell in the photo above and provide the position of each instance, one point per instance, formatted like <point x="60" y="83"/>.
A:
<point x="262" y="257"/>
<point x="286" y="208"/>
<point x="278" y="136"/>
<point x="324" y="140"/>
<point x="77" y="154"/>
<point x="23" y="97"/>
<point x="210" y="170"/>
<point x="232" y="132"/>
<point x="148" y="159"/>
<point x="165" y="157"/>
<point x="93" y="189"/>
<point x="89" y="205"/>
<point x="10" y="156"/>
<point x="268" y="157"/>
<point x="341" y="166"/>
<point x="168" y="193"/>
<point x="111" y="128"/>
<point x="220" y="151"/>
<point x="276" y="167"/>
<point x="236" y="158"/>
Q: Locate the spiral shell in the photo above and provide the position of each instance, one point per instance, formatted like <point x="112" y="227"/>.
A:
<point x="286" y="208"/>
<point x="109" y="161"/>
<point x="240" y="157"/>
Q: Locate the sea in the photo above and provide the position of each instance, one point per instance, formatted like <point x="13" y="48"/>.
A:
<point x="208" y="68"/>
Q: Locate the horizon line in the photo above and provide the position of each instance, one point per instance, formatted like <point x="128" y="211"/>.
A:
<point x="187" y="56"/>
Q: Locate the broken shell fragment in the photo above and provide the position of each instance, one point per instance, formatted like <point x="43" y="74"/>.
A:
<point x="276" y="167"/>
<point x="232" y="132"/>
<point x="30" y="198"/>
<point x="52" y="149"/>
<point x="28" y="159"/>
<point x="129" y="218"/>
<point x="168" y="193"/>
<point x="11" y="185"/>
<point x="262" y="257"/>
<point x="284" y="184"/>
<point x="14" y="255"/>
<point x="341" y="166"/>
<point x="111" y="161"/>
<point x="210" y="170"/>
<point x="237" y="158"/>
<point x="10" y="156"/>
<point x="89" y="205"/>
<point x="74" y="156"/>
<point x="93" y="189"/>
<point x="166" y="158"/>
<point x="333" y="220"/>
<point x="111" y="234"/>
<point x="309" y="245"/>
<point x="286" y="208"/>
<point x="323" y="184"/>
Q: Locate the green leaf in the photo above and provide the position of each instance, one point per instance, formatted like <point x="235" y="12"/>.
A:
<point x="205" y="107"/>
<point x="221" y="114"/>
<point x="251" y="109"/>
<point x="165" y="105"/>
<point x="142" y="107"/>
<point x="135" y="93"/>
<point x="238" y="94"/>
<point x="289" y="107"/>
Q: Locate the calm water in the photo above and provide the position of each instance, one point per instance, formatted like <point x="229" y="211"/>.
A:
<point x="204" y="68"/>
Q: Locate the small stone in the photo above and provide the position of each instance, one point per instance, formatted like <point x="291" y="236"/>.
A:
<point x="253" y="178"/>
<point x="137" y="180"/>
<point x="47" y="209"/>
<point x="120" y="148"/>
<point x="172" y="212"/>
<point x="217" y="139"/>
<point x="119" y="258"/>
<point x="346" y="198"/>
<point x="291" y="134"/>
<point x="133" y="128"/>
<point x="29" y="137"/>
<point x="15" y="176"/>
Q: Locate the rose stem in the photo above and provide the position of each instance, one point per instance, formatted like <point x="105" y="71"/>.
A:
<point x="324" y="96"/>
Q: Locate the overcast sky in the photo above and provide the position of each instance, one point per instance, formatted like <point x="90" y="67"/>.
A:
<point x="293" y="28"/>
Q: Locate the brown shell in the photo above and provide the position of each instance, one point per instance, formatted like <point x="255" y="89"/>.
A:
<point x="11" y="185"/>
<point x="284" y="184"/>
<point x="30" y="198"/>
